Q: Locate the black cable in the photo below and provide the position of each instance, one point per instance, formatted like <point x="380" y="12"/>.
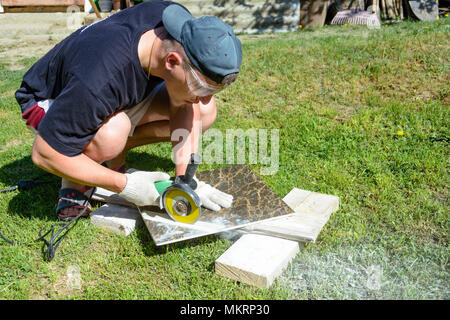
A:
<point x="27" y="184"/>
<point x="24" y="185"/>
<point x="54" y="241"/>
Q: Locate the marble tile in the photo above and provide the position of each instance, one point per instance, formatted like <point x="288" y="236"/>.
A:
<point x="253" y="201"/>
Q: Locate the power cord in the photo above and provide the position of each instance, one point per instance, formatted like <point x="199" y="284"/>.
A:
<point x="26" y="184"/>
<point x="55" y="238"/>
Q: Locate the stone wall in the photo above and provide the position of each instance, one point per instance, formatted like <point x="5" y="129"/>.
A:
<point x="250" y="16"/>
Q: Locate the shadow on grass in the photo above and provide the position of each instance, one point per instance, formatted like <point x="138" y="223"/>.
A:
<point x="40" y="201"/>
<point x="144" y="161"/>
<point x="35" y="202"/>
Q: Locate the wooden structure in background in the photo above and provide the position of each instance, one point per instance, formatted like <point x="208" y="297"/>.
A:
<point x="313" y="13"/>
<point x="40" y="5"/>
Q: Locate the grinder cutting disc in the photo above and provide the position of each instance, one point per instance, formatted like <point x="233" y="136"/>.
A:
<point x="181" y="204"/>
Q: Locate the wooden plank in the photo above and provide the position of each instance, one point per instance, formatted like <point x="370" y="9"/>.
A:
<point x="295" y="197"/>
<point x="94" y="7"/>
<point x="314" y="202"/>
<point x="256" y="259"/>
<point x="312" y="211"/>
<point x="313" y="13"/>
<point x="31" y="3"/>
<point x="38" y="9"/>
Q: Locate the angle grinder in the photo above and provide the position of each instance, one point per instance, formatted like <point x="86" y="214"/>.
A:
<point x="178" y="197"/>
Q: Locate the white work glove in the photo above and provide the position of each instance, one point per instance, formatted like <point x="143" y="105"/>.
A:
<point x="211" y="197"/>
<point x="140" y="188"/>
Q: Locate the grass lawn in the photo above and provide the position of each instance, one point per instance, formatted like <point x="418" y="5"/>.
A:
<point x="362" y="114"/>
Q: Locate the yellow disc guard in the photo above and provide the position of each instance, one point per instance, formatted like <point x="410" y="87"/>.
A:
<point x="172" y="198"/>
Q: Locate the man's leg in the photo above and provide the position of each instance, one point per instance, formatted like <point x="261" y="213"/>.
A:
<point x="161" y="120"/>
<point x="108" y="142"/>
<point x="111" y="143"/>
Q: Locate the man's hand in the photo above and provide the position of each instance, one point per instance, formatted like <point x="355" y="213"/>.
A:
<point x="140" y="188"/>
<point x="212" y="198"/>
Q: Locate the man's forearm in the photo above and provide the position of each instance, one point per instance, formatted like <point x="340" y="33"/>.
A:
<point x="185" y="134"/>
<point x="80" y="169"/>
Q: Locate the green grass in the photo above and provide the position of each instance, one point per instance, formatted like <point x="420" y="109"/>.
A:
<point x="338" y="95"/>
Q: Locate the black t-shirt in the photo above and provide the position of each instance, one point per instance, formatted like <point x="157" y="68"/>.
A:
<point x="91" y="74"/>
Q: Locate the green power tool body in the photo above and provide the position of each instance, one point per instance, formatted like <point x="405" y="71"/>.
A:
<point x="178" y="197"/>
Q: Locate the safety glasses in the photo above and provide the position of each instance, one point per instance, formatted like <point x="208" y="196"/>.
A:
<point x="198" y="86"/>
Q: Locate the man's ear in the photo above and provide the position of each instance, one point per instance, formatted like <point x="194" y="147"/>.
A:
<point x="173" y="59"/>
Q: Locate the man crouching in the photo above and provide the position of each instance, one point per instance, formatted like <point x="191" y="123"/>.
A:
<point x="128" y="80"/>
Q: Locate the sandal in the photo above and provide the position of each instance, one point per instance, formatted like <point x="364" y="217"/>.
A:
<point x="72" y="198"/>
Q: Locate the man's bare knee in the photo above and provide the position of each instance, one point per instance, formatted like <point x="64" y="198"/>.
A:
<point x="110" y="139"/>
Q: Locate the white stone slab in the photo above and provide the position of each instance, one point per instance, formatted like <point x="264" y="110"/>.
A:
<point x="120" y="219"/>
<point x="256" y="259"/>
<point x="312" y="211"/>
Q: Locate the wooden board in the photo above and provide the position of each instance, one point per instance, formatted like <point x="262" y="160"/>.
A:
<point x="313" y="13"/>
<point x="312" y="211"/>
<point x="30" y="3"/>
<point x="256" y="259"/>
<point x="38" y="9"/>
<point x="12" y="6"/>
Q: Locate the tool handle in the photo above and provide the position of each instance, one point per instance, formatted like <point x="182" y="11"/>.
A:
<point x="162" y="185"/>
<point x="187" y="178"/>
<point x="94" y="7"/>
<point x="192" y="167"/>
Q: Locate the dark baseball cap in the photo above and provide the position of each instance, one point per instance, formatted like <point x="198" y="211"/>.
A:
<point x="210" y="43"/>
